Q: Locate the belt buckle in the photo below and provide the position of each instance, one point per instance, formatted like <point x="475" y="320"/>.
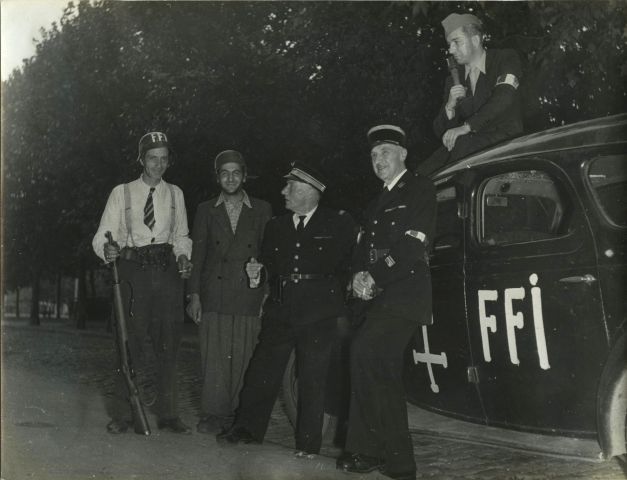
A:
<point x="372" y="254"/>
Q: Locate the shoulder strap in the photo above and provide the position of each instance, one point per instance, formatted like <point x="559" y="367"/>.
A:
<point x="127" y="214"/>
<point x="172" y="212"/>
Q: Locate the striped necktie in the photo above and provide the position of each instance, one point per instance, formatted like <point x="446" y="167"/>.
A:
<point x="149" y="211"/>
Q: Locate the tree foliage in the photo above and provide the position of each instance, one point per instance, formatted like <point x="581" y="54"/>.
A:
<point x="280" y="81"/>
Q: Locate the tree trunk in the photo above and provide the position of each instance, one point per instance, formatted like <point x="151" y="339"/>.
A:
<point x="34" y="303"/>
<point x="80" y="313"/>
<point x="17" y="303"/>
<point x="58" y="300"/>
<point x="92" y="283"/>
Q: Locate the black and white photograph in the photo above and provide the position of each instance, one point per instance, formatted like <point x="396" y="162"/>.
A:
<point x="313" y="240"/>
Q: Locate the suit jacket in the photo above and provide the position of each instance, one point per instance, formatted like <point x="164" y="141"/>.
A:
<point x="401" y="222"/>
<point x="323" y="248"/>
<point x="220" y="257"/>
<point x="494" y="109"/>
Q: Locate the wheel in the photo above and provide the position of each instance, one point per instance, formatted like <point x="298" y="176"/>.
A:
<point x="290" y="396"/>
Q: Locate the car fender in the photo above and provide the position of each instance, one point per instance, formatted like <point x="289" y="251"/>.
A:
<point x="612" y="400"/>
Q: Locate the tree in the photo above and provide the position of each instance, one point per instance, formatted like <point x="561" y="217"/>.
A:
<point x="280" y="81"/>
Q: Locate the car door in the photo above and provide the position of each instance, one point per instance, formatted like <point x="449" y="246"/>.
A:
<point x="534" y="306"/>
<point x="436" y="372"/>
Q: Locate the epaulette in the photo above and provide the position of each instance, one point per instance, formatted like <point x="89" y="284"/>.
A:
<point x="341" y="212"/>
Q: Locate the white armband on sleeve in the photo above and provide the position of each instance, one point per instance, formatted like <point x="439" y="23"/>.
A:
<point x="508" y="79"/>
<point x="417" y="235"/>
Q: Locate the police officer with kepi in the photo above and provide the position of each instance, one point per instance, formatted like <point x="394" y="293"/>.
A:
<point x="392" y="285"/>
<point x="148" y="222"/>
<point x="305" y="258"/>
<point x="481" y="105"/>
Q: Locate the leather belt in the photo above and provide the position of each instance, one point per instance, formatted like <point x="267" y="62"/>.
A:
<point x="375" y="254"/>
<point x="305" y="276"/>
<point x="156" y="255"/>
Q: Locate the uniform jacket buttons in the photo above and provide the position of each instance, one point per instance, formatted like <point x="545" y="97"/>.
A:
<point x="296" y="269"/>
<point x="295" y="257"/>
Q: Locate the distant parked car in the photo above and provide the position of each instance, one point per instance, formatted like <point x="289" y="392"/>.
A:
<point x="529" y="282"/>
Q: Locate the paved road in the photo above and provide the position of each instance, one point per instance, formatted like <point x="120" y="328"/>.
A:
<point x="53" y="419"/>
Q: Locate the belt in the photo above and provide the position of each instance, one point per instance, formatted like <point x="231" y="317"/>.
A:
<point x="375" y="254"/>
<point x="158" y="255"/>
<point x="305" y="276"/>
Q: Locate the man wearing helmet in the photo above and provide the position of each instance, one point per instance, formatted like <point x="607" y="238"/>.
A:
<point x="148" y="223"/>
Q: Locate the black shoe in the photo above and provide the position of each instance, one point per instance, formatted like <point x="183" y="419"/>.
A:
<point x="211" y="424"/>
<point x="236" y="435"/>
<point x="358" y="463"/>
<point x="410" y="475"/>
<point x="118" y="426"/>
<point x="173" y="425"/>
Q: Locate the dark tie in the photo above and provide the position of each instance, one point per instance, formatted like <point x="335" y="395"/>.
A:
<point x="301" y="223"/>
<point x="149" y="211"/>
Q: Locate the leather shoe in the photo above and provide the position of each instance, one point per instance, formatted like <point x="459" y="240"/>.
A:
<point x="358" y="463"/>
<point x="236" y="435"/>
<point x="118" y="426"/>
<point x="173" y="425"/>
<point x="211" y="424"/>
<point x="410" y="475"/>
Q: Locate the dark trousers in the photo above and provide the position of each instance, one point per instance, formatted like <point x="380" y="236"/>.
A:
<point x="313" y="343"/>
<point x="377" y="423"/>
<point x="153" y="301"/>
<point x="464" y="145"/>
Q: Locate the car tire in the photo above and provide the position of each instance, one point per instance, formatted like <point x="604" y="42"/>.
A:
<point x="290" y="395"/>
<point x="612" y="402"/>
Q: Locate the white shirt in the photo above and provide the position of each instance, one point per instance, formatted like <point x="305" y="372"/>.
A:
<point x="394" y="181"/>
<point x="114" y="219"/>
<point x="479" y="64"/>
<point x="308" y="215"/>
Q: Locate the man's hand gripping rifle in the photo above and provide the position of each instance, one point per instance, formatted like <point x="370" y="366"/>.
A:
<point x="140" y="422"/>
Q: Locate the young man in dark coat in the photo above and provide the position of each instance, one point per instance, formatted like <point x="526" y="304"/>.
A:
<point x="393" y="286"/>
<point x="305" y="259"/>
<point x="227" y="232"/>
<point x="484" y="107"/>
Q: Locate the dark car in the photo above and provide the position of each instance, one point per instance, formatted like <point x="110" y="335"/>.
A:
<point x="528" y="273"/>
<point x="528" y="270"/>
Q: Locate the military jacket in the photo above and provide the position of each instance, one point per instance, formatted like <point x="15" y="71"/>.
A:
<point x="495" y="106"/>
<point x="393" y="247"/>
<point x="323" y="249"/>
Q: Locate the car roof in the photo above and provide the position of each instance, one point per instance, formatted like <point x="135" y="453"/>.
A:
<point x="599" y="131"/>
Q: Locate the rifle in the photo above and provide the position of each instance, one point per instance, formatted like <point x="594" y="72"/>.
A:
<point x="140" y="422"/>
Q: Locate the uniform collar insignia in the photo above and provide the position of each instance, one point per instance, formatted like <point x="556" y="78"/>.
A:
<point x="400" y="184"/>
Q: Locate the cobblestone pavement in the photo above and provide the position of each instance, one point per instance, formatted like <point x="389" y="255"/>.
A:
<point x="85" y="359"/>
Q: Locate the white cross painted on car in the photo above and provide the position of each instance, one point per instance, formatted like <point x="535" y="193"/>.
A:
<point x="430" y="358"/>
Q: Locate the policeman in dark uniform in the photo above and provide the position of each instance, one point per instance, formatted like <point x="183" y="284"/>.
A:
<point x="305" y="258"/>
<point x="393" y="287"/>
<point x="481" y="104"/>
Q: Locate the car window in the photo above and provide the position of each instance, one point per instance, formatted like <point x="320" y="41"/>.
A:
<point x="608" y="177"/>
<point x="520" y="206"/>
<point x="448" y="231"/>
